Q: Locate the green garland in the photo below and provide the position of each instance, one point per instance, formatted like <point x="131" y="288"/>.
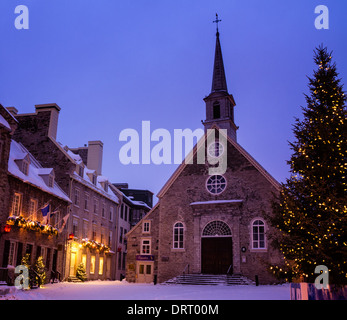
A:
<point x="21" y="222"/>
<point x="94" y="245"/>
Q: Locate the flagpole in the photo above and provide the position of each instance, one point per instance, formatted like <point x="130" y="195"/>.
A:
<point x="38" y="210"/>
<point x="53" y="212"/>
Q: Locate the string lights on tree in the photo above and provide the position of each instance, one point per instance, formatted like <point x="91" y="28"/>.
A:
<point x="312" y="206"/>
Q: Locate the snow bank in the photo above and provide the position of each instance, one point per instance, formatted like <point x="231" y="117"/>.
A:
<point x="122" y="290"/>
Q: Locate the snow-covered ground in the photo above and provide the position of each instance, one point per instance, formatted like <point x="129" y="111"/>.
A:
<point x="116" y="290"/>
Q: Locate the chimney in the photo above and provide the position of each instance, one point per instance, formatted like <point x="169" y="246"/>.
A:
<point x="94" y="161"/>
<point x="53" y="121"/>
<point x="12" y="110"/>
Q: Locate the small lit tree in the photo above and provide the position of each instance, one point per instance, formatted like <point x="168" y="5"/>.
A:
<point x="81" y="272"/>
<point x="39" y="268"/>
<point x="26" y="262"/>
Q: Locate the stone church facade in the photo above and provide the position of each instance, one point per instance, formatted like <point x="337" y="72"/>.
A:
<point x="209" y="223"/>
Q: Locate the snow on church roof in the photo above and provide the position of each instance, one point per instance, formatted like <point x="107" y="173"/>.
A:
<point x="215" y="202"/>
<point x="18" y="151"/>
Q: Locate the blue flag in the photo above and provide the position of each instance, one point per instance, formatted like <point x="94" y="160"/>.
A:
<point x="45" y="211"/>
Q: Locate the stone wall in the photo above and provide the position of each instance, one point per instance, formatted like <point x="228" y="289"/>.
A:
<point x="134" y="238"/>
<point x="5" y="145"/>
<point x="29" y="240"/>
<point x="244" y="182"/>
<point x="34" y="133"/>
<point x="98" y="221"/>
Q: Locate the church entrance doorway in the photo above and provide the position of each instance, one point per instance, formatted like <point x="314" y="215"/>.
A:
<point x="216" y="248"/>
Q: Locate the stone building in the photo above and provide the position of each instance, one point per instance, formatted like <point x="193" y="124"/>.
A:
<point x="90" y="232"/>
<point x="139" y="201"/>
<point x="143" y="247"/>
<point x="131" y="210"/>
<point x="28" y="188"/>
<point x="209" y="220"/>
<point x="7" y="126"/>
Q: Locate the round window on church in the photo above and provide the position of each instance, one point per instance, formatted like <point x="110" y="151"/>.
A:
<point x="215" y="149"/>
<point x="216" y="184"/>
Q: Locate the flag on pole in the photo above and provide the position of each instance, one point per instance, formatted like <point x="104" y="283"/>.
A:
<point x="64" y="222"/>
<point x="45" y="211"/>
<point x="51" y="215"/>
<point x="54" y="212"/>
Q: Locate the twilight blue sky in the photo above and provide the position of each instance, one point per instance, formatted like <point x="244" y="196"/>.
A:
<point x="110" y="64"/>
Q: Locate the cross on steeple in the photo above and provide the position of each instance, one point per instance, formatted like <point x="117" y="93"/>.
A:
<point x="217" y="21"/>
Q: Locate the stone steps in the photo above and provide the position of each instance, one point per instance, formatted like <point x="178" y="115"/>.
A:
<point x="210" y="279"/>
<point x="73" y="279"/>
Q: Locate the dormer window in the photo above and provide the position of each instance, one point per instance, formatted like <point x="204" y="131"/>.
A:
<point x="80" y="171"/>
<point x="50" y="181"/>
<point x="25" y="167"/>
<point x="47" y="175"/>
<point x="23" y="163"/>
<point x="104" y="183"/>
<point x="92" y="176"/>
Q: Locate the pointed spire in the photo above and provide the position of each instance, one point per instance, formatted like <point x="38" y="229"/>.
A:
<point x="219" y="82"/>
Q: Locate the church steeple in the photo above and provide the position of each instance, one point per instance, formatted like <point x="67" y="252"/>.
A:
<point x="219" y="82"/>
<point x="219" y="103"/>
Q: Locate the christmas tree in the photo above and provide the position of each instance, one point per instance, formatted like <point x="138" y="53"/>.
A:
<point x="40" y="275"/>
<point x="81" y="272"/>
<point x="312" y="207"/>
<point x="26" y="262"/>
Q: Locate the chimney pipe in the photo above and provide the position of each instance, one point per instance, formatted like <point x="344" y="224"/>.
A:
<point x="94" y="160"/>
<point x="53" y="122"/>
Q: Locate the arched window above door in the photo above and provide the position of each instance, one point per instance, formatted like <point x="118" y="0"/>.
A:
<point x="215" y="229"/>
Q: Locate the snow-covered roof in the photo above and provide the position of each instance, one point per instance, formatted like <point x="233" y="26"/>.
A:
<point x="45" y="171"/>
<point x="136" y="202"/>
<point x="86" y="180"/>
<point x="102" y="179"/>
<point x="4" y="123"/>
<point x="76" y="157"/>
<point x="34" y="178"/>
